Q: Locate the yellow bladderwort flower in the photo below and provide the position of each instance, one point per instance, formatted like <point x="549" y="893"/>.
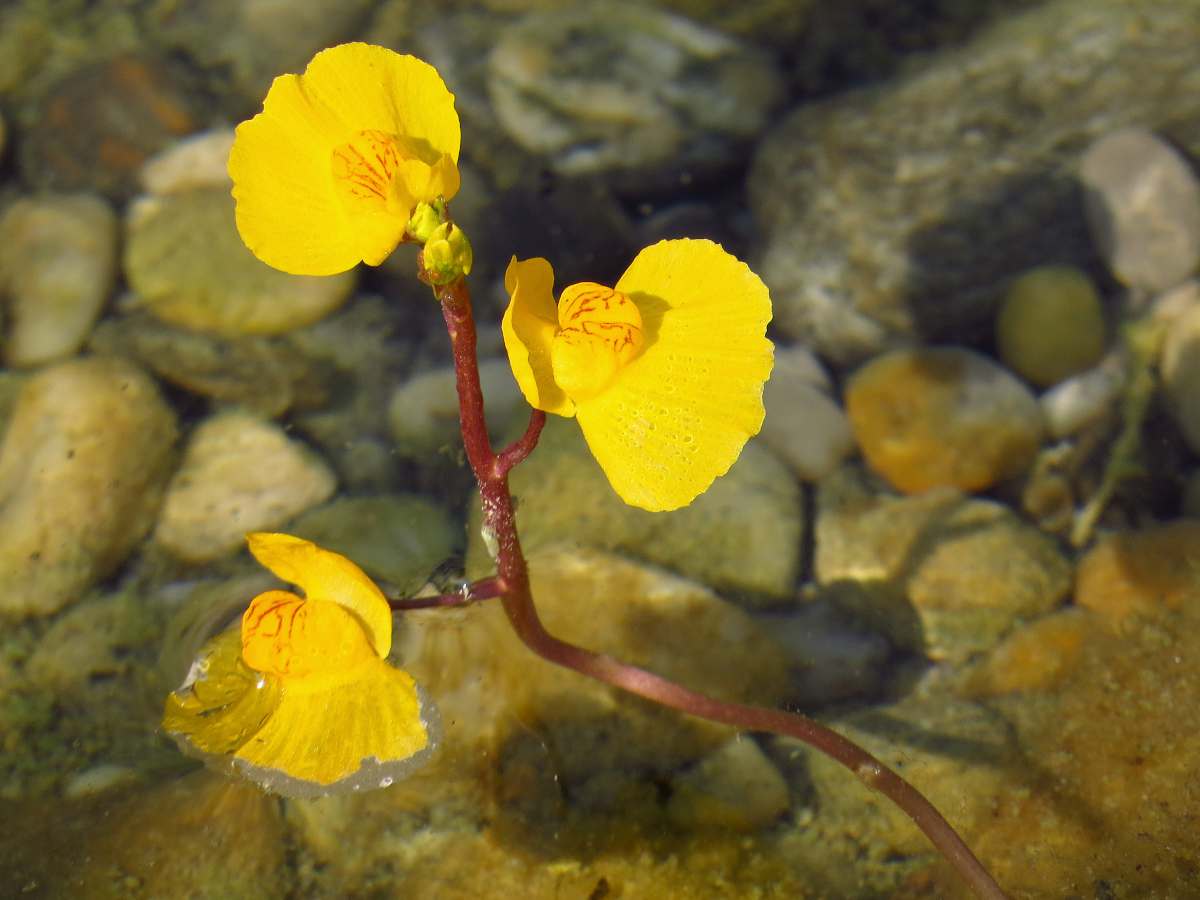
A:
<point x="664" y="372"/>
<point x="329" y="173"/>
<point x="301" y="699"/>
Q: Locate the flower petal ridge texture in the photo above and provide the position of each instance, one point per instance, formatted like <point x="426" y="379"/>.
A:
<point x="664" y="371"/>
<point x="300" y="698"/>
<point x="329" y="173"/>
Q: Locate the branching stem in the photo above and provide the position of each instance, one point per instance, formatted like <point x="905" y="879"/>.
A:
<point x="491" y="472"/>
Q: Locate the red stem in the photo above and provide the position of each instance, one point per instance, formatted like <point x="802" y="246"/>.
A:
<point x="491" y="472"/>
<point x="483" y="589"/>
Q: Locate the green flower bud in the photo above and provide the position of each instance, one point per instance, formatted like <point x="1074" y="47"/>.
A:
<point x="425" y="218"/>
<point x="447" y="255"/>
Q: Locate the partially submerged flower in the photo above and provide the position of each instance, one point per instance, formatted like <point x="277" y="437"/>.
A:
<point x="331" y="170"/>
<point x="665" y="371"/>
<point x="301" y="699"/>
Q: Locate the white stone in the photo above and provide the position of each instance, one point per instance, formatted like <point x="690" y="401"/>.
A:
<point x="804" y="426"/>
<point x="423" y="413"/>
<point x="239" y="474"/>
<point x="1143" y="208"/>
<point x="198" y="161"/>
<point x="1072" y="405"/>
<point x="98" y="779"/>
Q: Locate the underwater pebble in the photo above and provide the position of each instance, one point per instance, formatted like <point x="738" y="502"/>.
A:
<point x="490" y="687"/>
<point x="1077" y="402"/>
<point x="198" y="161"/>
<point x="98" y="780"/>
<point x="901" y="210"/>
<point x="1179" y="367"/>
<point x="734" y="787"/>
<point x="1143" y="207"/>
<point x="201" y="835"/>
<point x="1140" y="573"/>
<point x="261" y="374"/>
<point x="942" y="417"/>
<point x="423" y="412"/>
<point x="239" y="474"/>
<point x="82" y="468"/>
<point x="98" y="126"/>
<point x="1037" y="656"/>
<point x="837" y="658"/>
<point x="399" y="539"/>
<point x="940" y="573"/>
<point x="804" y="425"/>
<point x="742" y="536"/>
<point x="1050" y="325"/>
<point x="959" y="754"/>
<point x="188" y="266"/>
<point x="58" y="261"/>
<point x="253" y="41"/>
<point x="571" y="86"/>
<point x="88" y="646"/>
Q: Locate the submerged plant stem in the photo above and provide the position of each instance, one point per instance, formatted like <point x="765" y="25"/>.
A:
<point x="491" y="472"/>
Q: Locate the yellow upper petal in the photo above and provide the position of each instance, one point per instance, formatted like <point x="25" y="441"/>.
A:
<point x="325" y="575"/>
<point x="677" y="416"/>
<point x="290" y="210"/>
<point x="294" y="638"/>
<point x="374" y="88"/>
<point x="529" y="325"/>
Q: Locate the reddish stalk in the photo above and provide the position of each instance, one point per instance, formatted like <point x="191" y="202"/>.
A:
<point x="512" y="580"/>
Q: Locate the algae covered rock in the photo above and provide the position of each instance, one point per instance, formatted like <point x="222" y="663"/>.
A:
<point x="86" y="456"/>
<point x="570" y="86"/>
<point x="1051" y="325"/>
<point x="960" y="755"/>
<point x="201" y="836"/>
<point x="902" y="210"/>
<point x="265" y="375"/>
<point x="58" y="260"/>
<point x="188" y="266"/>
<point x="486" y="682"/>
<point x="742" y="536"/>
<point x="939" y="572"/>
<point x="239" y="474"/>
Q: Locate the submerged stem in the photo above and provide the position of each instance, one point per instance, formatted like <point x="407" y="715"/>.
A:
<point x="491" y="472"/>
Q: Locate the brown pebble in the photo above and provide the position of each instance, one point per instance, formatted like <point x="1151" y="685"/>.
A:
<point x="1140" y="573"/>
<point x="99" y="124"/>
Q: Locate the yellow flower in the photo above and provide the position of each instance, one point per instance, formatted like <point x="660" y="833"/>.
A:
<point x="300" y="699"/>
<point x="330" y="171"/>
<point x="665" y="371"/>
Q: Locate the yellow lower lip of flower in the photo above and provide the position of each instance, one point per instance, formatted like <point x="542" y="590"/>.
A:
<point x="300" y="698"/>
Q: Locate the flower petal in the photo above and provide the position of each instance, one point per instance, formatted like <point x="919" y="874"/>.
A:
<point x="352" y="734"/>
<point x="679" y="414"/>
<point x="529" y="325"/>
<point x="288" y="211"/>
<point x="325" y="575"/>
<point x="378" y="89"/>
<point x="221" y="703"/>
